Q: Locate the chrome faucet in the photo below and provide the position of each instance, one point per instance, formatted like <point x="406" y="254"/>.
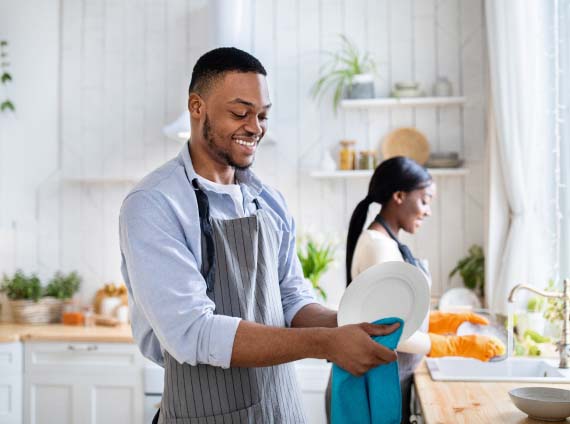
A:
<point x="564" y="343"/>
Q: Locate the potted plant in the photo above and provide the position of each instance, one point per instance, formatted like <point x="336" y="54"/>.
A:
<point x="349" y="72"/>
<point x="60" y="289"/>
<point x="471" y="268"/>
<point x="316" y="258"/>
<point x="25" y="292"/>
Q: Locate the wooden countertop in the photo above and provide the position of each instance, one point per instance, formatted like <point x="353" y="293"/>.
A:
<point x="469" y="402"/>
<point x="65" y="333"/>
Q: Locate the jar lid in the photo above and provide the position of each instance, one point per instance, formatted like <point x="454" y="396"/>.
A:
<point x="347" y="142"/>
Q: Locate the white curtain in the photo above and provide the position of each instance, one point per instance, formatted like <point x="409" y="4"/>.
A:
<point x="563" y="17"/>
<point x="521" y="225"/>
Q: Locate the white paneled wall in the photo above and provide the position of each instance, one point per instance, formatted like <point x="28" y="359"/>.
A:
<point x="124" y="70"/>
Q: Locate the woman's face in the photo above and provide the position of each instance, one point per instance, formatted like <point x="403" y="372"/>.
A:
<point x="413" y="207"/>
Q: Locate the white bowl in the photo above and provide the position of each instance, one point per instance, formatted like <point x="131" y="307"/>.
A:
<point x="459" y="299"/>
<point x="542" y="403"/>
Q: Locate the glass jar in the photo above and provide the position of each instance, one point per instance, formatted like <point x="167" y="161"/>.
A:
<point x="89" y="316"/>
<point x="347" y="155"/>
<point x="367" y="159"/>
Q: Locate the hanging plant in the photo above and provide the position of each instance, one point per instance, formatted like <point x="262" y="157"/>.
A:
<point x="5" y="77"/>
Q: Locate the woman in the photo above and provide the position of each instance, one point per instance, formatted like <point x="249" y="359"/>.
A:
<point x="405" y="190"/>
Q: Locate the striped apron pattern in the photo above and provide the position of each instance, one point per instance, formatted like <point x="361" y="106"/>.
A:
<point x="240" y="260"/>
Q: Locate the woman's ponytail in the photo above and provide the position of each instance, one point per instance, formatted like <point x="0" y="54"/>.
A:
<point x="354" y="229"/>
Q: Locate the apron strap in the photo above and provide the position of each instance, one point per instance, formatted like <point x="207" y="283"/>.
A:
<point x="208" y="251"/>
<point x="404" y="250"/>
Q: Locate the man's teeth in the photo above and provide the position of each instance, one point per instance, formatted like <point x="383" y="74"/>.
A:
<point x="245" y="143"/>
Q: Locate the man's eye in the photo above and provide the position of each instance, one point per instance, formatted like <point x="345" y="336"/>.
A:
<point x="263" y="118"/>
<point x="238" y="115"/>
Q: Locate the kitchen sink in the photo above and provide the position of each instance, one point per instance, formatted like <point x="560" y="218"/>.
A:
<point x="512" y="369"/>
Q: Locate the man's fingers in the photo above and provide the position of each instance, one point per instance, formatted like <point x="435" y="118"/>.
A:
<point x="385" y="355"/>
<point x="380" y="329"/>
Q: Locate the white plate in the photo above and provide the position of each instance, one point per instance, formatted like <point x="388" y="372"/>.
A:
<point x="389" y="289"/>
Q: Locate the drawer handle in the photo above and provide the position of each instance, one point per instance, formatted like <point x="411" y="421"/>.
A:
<point x="89" y="348"/>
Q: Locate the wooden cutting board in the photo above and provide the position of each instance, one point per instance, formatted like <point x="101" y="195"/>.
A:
<point x="407" y="142"/>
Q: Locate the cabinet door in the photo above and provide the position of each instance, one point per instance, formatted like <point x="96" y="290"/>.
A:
<point x="51" y="399"/>
<point x="114" y="401"/>
<point x="83" y="383"/>
<point x="313" y="375"/>
<point x="10" y="383"/>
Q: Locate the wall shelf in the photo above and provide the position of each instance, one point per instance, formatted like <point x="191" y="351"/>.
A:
<point x="436" y="172"/>
<point x="389" y="102"/>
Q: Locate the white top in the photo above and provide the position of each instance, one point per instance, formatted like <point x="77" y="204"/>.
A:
<point x="374" y="247"/>
<point x="232" y="190"/>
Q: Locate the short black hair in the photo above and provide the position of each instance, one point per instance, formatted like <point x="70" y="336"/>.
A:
<point x="215" y="63"/>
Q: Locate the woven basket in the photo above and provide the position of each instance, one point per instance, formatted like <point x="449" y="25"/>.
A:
<point x="55" y="308"/>
<point x="44" y="311"/>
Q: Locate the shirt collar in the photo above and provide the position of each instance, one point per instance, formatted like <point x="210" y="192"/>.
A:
<point x="245" y="177"/>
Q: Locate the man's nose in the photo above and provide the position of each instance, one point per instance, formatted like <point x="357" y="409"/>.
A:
<point x="254" y="126"/>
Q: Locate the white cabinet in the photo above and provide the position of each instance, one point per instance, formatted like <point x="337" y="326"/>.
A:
<point x="91" y="383"/>
<point x="313" y="375"/>
<point x="10" y="383"/>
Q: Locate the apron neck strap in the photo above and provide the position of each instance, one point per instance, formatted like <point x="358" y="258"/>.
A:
<point x="404" y="250"/>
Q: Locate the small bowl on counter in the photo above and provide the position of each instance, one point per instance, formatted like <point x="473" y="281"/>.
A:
<point x="542" y="403"/>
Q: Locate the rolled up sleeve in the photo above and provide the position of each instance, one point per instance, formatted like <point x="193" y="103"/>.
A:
<point x="296" y="292"/>
<point x="167" y="287"/>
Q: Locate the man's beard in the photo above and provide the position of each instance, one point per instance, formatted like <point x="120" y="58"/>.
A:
<point x="221" y="154"/>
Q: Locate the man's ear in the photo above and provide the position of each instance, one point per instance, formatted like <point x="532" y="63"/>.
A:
<point x="399" y="197"/>
<point x="195" y="106"/>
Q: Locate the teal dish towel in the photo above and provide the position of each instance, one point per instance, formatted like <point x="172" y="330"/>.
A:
<point x="375" y="397"/>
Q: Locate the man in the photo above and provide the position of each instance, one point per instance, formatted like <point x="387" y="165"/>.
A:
<point x="210" y="262"/>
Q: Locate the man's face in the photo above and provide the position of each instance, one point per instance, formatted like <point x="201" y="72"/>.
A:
<point x="235" y="118"/>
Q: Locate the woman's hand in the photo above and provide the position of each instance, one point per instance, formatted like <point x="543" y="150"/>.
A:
<point x="447" y="322"/>
<point x="469" y="346"/>
<point x="351" y="347"/>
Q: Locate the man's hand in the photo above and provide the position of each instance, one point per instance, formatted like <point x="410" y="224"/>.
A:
<point x="351" y="347"/>
<point x="447" y="322"/>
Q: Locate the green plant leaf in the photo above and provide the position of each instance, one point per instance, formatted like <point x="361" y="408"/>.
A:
<point x="471" y="268"/>
<point x="5" y="77"/>
<point x="7" y="105"/>
<point x="22" y="287"/>
<point x="338" y="72"/>
<point x="315" y="259"/>
<point x="63" y="286"/>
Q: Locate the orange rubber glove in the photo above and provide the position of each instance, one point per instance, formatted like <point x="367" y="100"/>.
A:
<point x="447" y="322"/>
<point x="469" y="346"/>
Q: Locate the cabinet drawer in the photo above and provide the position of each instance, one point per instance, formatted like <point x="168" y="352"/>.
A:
<point x="87" y="358"/>
<point x="11" y="358"/>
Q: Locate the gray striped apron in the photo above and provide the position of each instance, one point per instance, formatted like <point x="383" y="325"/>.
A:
<point x="240" y="260"/>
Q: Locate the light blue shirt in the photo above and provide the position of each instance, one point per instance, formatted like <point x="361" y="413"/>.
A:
<point x="161" y="261"/>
